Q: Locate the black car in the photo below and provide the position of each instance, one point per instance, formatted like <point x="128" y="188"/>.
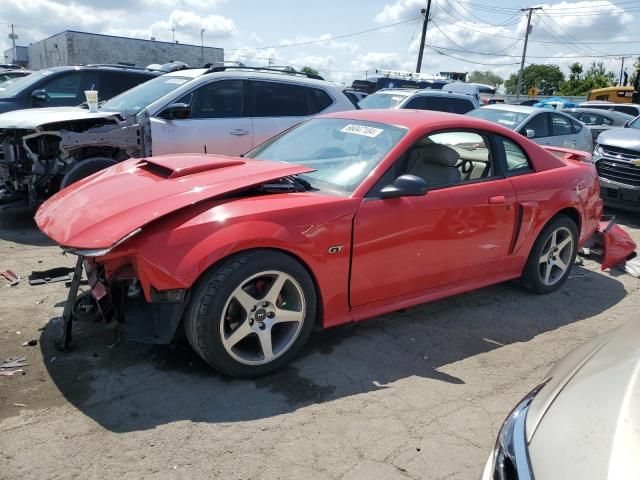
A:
<point x="65" y="86"/>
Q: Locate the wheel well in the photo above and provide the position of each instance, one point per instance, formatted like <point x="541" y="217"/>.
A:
<point x="573" y="214"/>
<point x="319" y="310"/>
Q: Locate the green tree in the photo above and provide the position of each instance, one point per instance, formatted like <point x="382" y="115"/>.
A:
<point x="485" y="77"/>
<point x="596" y="76"/>
<point x="546" y="78"/>
<point x="309" y="71"/>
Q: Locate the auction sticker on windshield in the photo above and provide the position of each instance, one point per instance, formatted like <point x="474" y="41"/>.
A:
<point x="362" y="130"/>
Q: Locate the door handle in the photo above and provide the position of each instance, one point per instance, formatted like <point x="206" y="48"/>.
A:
<point x="496" y="199"/>
<point x="239" y="132"/>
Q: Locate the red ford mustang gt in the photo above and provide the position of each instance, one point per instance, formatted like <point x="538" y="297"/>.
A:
<point x="341" y="218"/>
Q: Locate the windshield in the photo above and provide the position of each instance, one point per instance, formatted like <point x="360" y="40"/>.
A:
<point x="343" y="152"/>
<point x="134" y="100"/>
<point x="508" y="118"/>
<point x="635" y="123"/>
<point x="383" y="100"/>
<point x="17" y="85"/>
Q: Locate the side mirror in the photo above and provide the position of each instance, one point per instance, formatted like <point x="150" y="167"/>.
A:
<point x="626" y="124"/>
<point x="405" y="186"/>
<point x="176" y="111"/>
<point x="530" y="133"/>
<point x="40" y="96"/>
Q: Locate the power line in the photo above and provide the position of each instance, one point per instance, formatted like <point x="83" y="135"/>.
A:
<point x="470" y="61"/>
<point x="472" y="52"/>
<point x="336" y="37"/>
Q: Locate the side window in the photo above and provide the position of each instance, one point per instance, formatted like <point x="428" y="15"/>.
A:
<point x="560" y="125"/>
<point x="114" y="83"/>
<point x="575" y="126"/>
<point x="607" y="121"/>
<point x="68" y="88"/>
<point x="539" y="125"/>
<point x="440" y="104"/>
<point x="517" y="161"/>
<point x="418" y="103"/>
<point x="449" y="158"/>
<point x="319" y="100"/>
<point x="271" y="99"/>
<point x="591" y="118"/>
<point x="219" y="99"/>
<point x="627" y="110"/>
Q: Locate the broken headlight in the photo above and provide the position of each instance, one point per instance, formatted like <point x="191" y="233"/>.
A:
<point x="99" y="252"/>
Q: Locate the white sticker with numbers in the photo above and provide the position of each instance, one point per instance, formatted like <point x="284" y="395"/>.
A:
<point x="362" y="130"/>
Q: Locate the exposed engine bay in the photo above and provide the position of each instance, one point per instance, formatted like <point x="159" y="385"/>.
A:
<point x="35" y="163"/>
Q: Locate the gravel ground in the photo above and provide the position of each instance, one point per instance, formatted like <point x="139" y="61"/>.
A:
<point x="416" y="394"/>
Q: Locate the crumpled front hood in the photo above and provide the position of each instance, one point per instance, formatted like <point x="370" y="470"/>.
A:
<point x="35" y="117"/>
<point x="100" y="210"/>
<point x="621" y="137"/>
<point x="592" y="428"/>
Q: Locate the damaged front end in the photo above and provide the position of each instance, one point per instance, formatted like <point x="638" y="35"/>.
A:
<point x="35" y="159"/>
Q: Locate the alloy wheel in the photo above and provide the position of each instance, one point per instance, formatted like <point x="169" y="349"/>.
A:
<point x="556" y="256"/>
<point x="262" y="317"/>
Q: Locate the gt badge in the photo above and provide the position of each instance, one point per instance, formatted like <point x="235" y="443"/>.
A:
<point x="335" y="249"/>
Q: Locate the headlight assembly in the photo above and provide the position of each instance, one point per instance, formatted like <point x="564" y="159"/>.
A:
<point x="597" y="152"/>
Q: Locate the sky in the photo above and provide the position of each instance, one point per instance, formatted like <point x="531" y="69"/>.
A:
<point x="462" y="35"/>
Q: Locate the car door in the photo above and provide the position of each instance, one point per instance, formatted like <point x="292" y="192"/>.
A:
<point x="537" y="128"/>
<point x="217" y="123"/>
<point x="275" y="107"/>
<point x="67" y="89"/>
<point x="562" y="133"/>
<point x="459" y="231"/>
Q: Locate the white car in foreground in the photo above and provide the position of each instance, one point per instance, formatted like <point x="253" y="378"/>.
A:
<point x="543" y="126"/>
<point x="222" y="110"/>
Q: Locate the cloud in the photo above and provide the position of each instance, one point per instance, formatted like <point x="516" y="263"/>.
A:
<point x="400" y="10"/>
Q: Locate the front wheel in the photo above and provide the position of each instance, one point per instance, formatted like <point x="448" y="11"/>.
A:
<point x="552" y="256"/>
<point x="251" y="314"/>
<point x="84" y="168"/>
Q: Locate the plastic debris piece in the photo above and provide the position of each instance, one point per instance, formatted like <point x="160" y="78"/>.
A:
<point x="59" y="274"/>
<point x="19" y="405"/>
<point x="13" y="362"/>
<point x="10" y="373"/>
<point x="14" y="278"/>
<point x="30" y="343"/>
<point x="632" y="267"/>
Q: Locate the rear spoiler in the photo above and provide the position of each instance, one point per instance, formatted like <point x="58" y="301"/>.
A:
<point x="568" y="154"/>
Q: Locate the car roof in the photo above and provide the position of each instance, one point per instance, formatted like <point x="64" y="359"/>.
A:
<point x="276" y="76"/>
<point x="188" y="72"/>
<point x="598" y="111"/>
<point x="113" y="68"/>
<point x="514" y="108"/>
<point x="407" y="118"/>
<point x="443" y="93"/>
<point x="396" y="91"/>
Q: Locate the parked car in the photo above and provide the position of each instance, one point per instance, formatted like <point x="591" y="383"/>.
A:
<point x="220" y="110"/>
<point x="599" y="120"/>
<point x="344" y="217"/>
<point x="540" y="125"/>
<point x="354" y="95"/>
<point x="628" y="108"/>
<point x="528" y="102"/>
<point x="65" y="86"/>
<point x="436" y="100"/>
<point x="581" y="421"/>
<point x="6" y="75"/>
<point x="617" y="159"/>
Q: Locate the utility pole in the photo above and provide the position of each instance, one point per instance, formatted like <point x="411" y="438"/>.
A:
<point x="173" y="35"/>
<point x="529" y="11"/>
<point x="424" y="34"/>
<point x="621" y="69"/>
<point x="202" y="45"/>
<point x="13" y="38"/>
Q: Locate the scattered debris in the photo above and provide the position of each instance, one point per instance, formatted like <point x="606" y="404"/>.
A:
<point x="13" y="362"/>
<point x="14" y="278"/>
<point x="58" y="274"/>
<point x="31" y="343"/>
<point x="19" y="405"/>
<point x="10" y="373"/>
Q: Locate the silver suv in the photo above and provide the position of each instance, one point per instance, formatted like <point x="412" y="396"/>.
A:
<point x="224" y="110"/>
<point x="617" y="158"/>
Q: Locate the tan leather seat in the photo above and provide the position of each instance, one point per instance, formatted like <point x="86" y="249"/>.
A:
<point x="435" y="164"/>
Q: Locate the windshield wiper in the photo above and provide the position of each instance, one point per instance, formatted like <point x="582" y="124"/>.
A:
<point x="300" y="182"/>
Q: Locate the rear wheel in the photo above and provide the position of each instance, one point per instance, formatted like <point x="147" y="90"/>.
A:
<point x="251" y="314"/>
<point x="552" y="256"/>
<point x="84" y="168"/>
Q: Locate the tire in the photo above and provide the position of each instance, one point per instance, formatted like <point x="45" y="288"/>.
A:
<point x="84" y="168"/>
<point x="549" y="264"/>
<point x="251" y="314"/>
